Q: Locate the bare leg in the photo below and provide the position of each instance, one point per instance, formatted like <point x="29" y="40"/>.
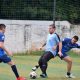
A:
<point x="69" y="63"/>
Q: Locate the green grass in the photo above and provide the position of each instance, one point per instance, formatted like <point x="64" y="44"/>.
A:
<point x="56" y="68"/>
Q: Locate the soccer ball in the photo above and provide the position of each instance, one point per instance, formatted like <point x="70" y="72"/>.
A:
<point x="33" y="75"/>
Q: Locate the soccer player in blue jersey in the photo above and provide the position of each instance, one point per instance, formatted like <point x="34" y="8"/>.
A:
<point x="67" y="45"/>
<point x="3" y="53"/>
<point x="50" y="51"/>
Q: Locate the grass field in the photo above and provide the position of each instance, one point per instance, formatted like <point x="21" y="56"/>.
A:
<point x="56" y="68"/>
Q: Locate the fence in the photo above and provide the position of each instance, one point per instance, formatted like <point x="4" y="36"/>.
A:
<point x="40" y="10"/>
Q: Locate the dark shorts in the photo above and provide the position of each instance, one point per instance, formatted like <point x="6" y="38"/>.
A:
<point x="63" y="56"/>
<point x="5" y="59"/>
<point x="46" y="56"/>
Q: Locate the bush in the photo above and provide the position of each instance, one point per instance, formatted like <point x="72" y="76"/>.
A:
<point x="37" y="53"/>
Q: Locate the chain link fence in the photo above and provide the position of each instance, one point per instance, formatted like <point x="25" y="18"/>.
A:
<point x="40" y="10"/>
<point x="29" y="35"/>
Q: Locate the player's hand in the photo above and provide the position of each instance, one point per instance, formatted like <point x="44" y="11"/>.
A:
<point x="54" y="48"/>
<point x="41" y="48"/>
<point x="60" y="53"/>
<point x="10" y="53"/>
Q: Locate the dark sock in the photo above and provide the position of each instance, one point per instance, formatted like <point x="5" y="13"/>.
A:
<point x="44" y="67"/>
<point x="14" y="69"/>
<point x="37" y="66"/>
<point x="68" y="73"/>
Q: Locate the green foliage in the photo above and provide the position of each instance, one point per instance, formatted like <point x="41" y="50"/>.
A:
<point x="74" y="54"/>
<point x="37" y="53"/>
<point x="40" y="9"/>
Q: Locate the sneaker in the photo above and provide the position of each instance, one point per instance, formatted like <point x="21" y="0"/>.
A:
<point x="21" y="78"/>
<point x="34" y="68"/>
<point x="43" y="75"/>
<point x="70" y="76"/>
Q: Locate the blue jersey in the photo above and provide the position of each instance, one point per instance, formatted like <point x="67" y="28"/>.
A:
<point x="52" y="40"/>
<point x="2" y="37"/>
<point x="67" y="45"/>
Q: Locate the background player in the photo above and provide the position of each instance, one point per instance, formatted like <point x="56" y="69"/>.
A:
<point x="3" y="56"/>
<point x="67" y="45"/>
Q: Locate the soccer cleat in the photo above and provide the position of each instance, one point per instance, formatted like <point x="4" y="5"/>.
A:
<point x="43" y="75"/>
<point x="70" y="76"/>
<point x="34" y="68"/>
<point x="21" y="78"/>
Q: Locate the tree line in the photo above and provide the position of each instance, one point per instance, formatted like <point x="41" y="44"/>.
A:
<point x="40" y="10"/>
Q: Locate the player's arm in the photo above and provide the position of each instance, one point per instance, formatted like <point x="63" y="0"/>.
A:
<point x="60" y="49"/>
<point x="59" y="44"/>
<point x="78" y="46"/>
<point x="42" y="46"/>
<point x="55" y="47"/>
<point x="3" y="47"/>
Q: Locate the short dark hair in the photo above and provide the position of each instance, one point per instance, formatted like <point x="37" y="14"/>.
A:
<point x="2" y="26"/>
<point x="76" y="37"/>
<point x="52" y="25"/>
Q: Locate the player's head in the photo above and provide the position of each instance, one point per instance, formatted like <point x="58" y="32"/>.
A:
<point x="74" y="39"/>
<point x="52" y="28"/>
<point x="2" y="27"/>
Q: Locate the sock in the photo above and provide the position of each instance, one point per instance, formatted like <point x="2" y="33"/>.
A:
<point x="37" y="66"/>
<point x="44" y="67"/>
<point x="68" y="73"/>
<point x="14" y="69"/>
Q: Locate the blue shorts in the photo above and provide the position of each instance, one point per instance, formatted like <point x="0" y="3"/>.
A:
<point x="63" y="55"/>
<point x="5" y="59"/>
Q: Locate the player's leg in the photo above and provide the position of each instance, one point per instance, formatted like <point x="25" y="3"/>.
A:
<point x="43" y="68"/>
<point x="69" y="66"/>
<point x="69" y="63"/>
<point x="37" y="66"/>
<point x="43" y="63"/>
<point x="14" y="69"/>
<point x="8" y="60"/>
<point x="0" y="61"/>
